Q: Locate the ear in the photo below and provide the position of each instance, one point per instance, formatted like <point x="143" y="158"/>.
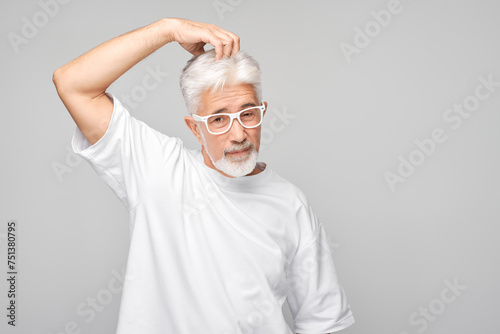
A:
<point x="191" y="124"/>
<point x="265" y="104"/>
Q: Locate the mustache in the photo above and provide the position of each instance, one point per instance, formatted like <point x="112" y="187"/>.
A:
<point x="239" y="146"/>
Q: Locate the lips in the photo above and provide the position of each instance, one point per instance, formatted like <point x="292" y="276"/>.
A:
<point x="240" y="151"/>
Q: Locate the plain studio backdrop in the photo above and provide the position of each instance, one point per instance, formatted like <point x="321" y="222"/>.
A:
<point x="385" y="113"/>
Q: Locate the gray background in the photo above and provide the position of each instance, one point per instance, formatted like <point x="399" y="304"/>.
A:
<point x="349" y="123"/>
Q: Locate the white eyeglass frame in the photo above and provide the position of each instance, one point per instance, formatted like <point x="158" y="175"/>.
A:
<point x="232" y="116"/>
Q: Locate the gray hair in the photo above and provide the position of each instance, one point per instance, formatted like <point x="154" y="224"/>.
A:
<point x="203" y="72"/>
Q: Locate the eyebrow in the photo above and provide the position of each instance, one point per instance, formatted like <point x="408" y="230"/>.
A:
<point x="244" y="106"/>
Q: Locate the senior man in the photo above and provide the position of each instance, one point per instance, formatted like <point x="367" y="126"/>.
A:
<point x="218" y="240"/>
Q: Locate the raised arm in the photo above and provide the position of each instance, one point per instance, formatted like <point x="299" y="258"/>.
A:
<point x="82" y="83"/>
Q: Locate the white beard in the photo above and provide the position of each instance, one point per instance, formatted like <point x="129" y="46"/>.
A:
<point x="236" y="166"/>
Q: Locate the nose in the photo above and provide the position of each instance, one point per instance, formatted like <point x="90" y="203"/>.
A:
<point x="237" y="131"/>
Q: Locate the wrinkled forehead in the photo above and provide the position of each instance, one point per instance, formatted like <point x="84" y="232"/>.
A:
<point x="230" y="99"/>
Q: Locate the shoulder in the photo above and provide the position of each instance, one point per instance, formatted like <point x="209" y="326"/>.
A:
<point x="139" y="129"/>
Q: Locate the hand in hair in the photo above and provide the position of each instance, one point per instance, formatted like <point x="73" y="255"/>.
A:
<point x="193" y="36"/>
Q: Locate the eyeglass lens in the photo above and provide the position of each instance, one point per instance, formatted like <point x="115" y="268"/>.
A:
<point x="220" y="123"/>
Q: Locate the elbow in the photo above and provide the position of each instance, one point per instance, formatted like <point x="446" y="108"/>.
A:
<point x="61" y="81"/>
<point x="57" y="78"/>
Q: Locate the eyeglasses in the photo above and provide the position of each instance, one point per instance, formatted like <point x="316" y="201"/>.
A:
<point x="220" y="123"/>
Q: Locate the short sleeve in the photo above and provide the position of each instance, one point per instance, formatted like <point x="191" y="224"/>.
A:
<point x="317" y="301"/>
<point x="127" y="154"/>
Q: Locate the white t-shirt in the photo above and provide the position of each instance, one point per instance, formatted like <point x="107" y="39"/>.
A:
<point x="209" y="253"/>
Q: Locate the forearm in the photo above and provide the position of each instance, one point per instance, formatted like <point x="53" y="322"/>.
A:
<point x="93" y="72"/>
<point x="81" y="83"/>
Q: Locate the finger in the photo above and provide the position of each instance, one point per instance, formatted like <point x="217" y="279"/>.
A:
<point x="236" y="43"/>
<point x="228" y="47"/>
<point x="218" y="42"/>
<point x="223" y="42"/>
<point x="228" y="42"/>
<point x="210" y="37"/>
<point x="219" y="48"/>
<point x="231" y="43"/>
